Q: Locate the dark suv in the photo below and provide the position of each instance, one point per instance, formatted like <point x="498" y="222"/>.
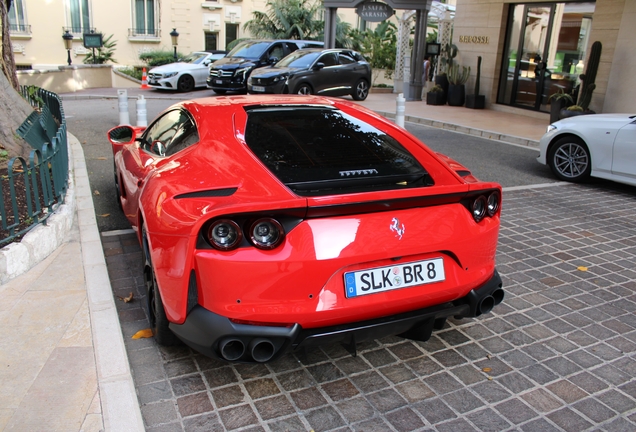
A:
<point x="231" y="72"/>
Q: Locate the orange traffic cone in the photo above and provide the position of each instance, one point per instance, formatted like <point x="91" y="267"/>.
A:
<point x="144" y="79"/>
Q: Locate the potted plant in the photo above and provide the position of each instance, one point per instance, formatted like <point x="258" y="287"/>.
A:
<point x="476" y="101"/>
<point x="435" y="96"/>
<point x="448" y="53"/>
<point x="456" y="85"/>
<point x="587" y="85"/>
<point x="559" y="101"/>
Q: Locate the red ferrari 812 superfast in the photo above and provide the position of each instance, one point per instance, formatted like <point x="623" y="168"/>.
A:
<point x="273" y="223"/>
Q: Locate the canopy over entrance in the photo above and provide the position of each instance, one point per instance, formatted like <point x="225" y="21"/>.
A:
<point x="421" y="7"/>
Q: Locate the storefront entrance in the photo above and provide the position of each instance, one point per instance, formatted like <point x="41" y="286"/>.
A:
<point x="545" y="51"/>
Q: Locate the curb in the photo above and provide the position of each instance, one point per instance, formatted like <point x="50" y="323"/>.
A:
<point x="120" y="407"/>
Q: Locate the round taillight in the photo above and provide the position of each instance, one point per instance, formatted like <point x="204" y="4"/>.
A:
<point x="479" y="208"/>
<point x="225" y="234"/>
<point x="266" y="233"/>
<point x="493" y="204"/>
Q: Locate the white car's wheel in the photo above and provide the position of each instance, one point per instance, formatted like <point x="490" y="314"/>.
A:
<point x="569" y="159"/>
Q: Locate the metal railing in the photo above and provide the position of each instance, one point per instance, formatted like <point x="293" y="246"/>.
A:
<point x="144" y="32"/>
<point x="33" y="189"/>
<point x="20" y="28"/>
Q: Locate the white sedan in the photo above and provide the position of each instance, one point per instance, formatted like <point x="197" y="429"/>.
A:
<point x="597" y="145"/>
<point x="186" y="74"/>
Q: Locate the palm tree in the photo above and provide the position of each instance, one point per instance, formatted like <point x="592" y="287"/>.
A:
<point x="287" y="19"/>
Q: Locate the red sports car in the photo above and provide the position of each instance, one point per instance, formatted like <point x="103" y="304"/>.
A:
<point x="272" y="223"/>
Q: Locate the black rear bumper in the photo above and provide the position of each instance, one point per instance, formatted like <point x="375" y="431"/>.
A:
<point x="217" y="336"/>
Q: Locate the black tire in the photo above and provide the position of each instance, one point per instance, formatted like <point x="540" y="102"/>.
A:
<point x="156" y="313"/>
<point x="361" y="90"/>
<point x="569" y="159"/>
<point x="305" y="89"/>
<point x="219" y="92"/>
<point x="185" y="83"/>
<point x="117" y="187"/>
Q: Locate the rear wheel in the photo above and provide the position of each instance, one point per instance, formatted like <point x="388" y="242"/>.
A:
<point x="185" y="83"/>
<point x="117" y="187"/>
<point x="361" y="90"/>
<point x="156" y="313"/>
<point x="304" y="89"/>
<point x="569" y="159"/>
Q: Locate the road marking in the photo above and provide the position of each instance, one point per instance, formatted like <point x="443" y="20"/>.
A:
<point x="117" y="232"/>
<point x="535" y="186"/>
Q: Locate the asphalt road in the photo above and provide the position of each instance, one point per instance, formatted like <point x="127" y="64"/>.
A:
<point x="89" y="120"/>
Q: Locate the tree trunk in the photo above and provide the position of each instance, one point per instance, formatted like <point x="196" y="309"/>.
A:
<point x="13" y="111"/>
<point x="8" y="62"/>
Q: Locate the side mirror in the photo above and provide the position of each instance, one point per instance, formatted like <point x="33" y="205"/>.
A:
<point x="273" y="60"/>
<point x="318" y="66"/>
<point x="122" y="135"/>
<point x="206" y="63"/>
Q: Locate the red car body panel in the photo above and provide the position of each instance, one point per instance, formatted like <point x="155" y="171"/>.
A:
<point x="302" y="280"/>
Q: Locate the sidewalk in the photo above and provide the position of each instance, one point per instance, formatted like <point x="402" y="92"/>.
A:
<point x="63" y="365"/>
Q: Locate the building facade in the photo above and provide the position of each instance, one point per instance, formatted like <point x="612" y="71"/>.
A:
<point x="533" y="49"/>
<point x="37" y="27"/>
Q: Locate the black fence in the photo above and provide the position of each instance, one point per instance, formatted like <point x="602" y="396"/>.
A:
<point x="33" y="189"/>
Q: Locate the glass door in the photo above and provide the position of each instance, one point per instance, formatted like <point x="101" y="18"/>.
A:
<point x="527" y="49"/>
<point x="544" y="53"/>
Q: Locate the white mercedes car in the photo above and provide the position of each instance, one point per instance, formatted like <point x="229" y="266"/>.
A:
<point x="186" y="74"/>
<point x="596" y="145"/>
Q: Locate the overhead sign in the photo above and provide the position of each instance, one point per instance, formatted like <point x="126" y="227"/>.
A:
<point x="374" y="11"/>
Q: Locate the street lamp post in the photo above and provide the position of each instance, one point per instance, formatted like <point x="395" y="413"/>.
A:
<point x="68" y="44"/>
<point x="175" y="40"/>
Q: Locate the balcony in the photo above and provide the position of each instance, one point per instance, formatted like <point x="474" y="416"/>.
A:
<point x="144" y="35"/>
<point x="20" y="31"/>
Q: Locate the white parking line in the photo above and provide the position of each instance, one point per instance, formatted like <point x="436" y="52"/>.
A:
<point x="535" y="186"/>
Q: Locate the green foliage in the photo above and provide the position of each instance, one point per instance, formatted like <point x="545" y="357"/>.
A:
<point x="455" y="77"/>
<point x="431" y="37"/>
<point x="132" y="72"/>
<point x="378" y="46"/>
<point x="103" y="54"/>
<point x="158" y="57"/>
<point x="33" y="96"/>
<point x="436" y="89"/>
<point x="562" y="95"/>
<point x="4" y="155"/>
<point x="575" y="108"/>
<point x="587" y="79"/>
<point x="447" y="54"/>
<point x="287" y="19"/>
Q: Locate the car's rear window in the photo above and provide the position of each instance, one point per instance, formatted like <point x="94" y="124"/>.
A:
<point x="321" y="150"/>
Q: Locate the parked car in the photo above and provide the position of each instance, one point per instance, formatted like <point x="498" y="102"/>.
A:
<point x="272" y="223"/>
<point x="232" y="72"/>
<point x="327" y="72"/>
<point x="597" y="145"/>
<point x="186" y="74"/>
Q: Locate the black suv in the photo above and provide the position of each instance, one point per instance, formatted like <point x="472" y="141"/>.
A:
<point x="231" y="72"/>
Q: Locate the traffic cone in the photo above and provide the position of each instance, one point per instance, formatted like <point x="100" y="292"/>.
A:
<point x="144" y="79"/>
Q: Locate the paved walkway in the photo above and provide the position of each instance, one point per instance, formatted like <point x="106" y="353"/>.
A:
<point x="63" y="365"/>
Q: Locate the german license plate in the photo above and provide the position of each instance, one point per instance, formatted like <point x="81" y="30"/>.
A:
<point x="218" y="81"/>
<point x="388" y="278"/>
<point x="258" y="89"/>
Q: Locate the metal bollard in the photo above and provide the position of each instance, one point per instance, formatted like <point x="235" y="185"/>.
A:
<point x="124" y="118"/>
<point x="399" y="113"/>
<point x="142" y="119"/>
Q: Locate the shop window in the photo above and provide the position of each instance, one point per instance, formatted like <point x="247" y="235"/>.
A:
<point x="545" y="51"/>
